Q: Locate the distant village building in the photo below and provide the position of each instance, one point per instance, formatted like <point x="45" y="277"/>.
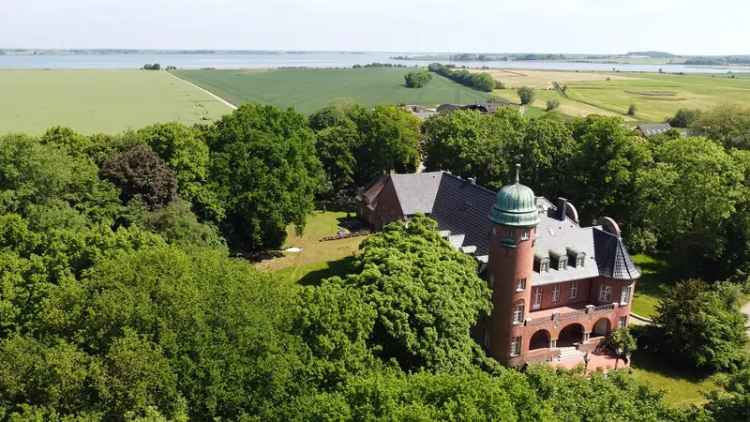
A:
<point x="652" y="129"/>
<point x="558" y="288"/>
<point x="421" y="112"/>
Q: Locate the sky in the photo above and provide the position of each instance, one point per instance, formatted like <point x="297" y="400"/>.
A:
<point x="544" y="26"/>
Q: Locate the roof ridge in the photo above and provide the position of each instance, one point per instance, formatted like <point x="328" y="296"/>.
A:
<point x="461" y="179"/>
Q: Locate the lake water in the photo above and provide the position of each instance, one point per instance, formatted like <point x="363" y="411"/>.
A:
<point x="305" y="59"/>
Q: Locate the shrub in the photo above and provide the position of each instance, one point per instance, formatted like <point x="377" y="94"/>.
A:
<point x="552" y="104"/>
<point x="526" y="95"/>
<point x="684" y="118"/>
<point x="499" y="85"/>
<point x="632" y="110"/>
<point x="417" y="79"/>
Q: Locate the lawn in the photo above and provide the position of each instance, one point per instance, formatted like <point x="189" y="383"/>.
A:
<point x="656" y="278"/>
<point x="94" y="101"/>
<point x="680" y="387"/>
<point x="316" y="260"/>
<point x="308" y="90"/>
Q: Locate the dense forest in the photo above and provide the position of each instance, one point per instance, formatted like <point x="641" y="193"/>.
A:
<point x="126" y="292"/>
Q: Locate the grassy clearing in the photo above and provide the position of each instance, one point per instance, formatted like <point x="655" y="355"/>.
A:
<point x="93" y="101"/>
<point x="317" y="260"/>
<point x="680" y="387"/>
<point x="308" y="90"/>
<point x="656" y="96"/>
<point x="656" y="278"/>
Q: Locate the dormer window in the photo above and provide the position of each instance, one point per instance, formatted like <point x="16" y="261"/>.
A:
<point x="577" y="259"/>
<point x="541" y="263"/>
<point x="562" y="263"/>
<point x="559" y="259"/>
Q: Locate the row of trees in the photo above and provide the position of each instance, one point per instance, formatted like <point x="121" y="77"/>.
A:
<point x="480" y="81"/>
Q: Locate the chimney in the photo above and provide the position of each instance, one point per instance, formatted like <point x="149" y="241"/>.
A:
<point x="562" y="205"/>
<point x="473" y="180"/>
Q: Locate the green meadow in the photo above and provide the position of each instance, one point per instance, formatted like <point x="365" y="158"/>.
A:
<point x="308" y="90"/>
<point x="656" y="96"/>
<point x="93" y="101"/>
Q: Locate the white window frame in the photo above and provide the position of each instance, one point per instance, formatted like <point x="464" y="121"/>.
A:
<point x="556" y="293"/>
<point x="520" y="284"/>
<point x="538" y="296"/>
<point x="515" y="346"/>
<point x="518" y="313"/>
<point x="605" y="293"/>
<point x="625" y="295"/>
<point x="562" y="264"/>
<point x="580" y="260"/>
<point x="573" y="292"/>
<point x="525" y="235"/>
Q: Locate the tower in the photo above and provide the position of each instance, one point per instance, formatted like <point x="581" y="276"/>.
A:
<point x="511" y="263"/>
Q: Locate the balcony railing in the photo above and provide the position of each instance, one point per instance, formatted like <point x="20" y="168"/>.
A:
<point x="568" y="316"/>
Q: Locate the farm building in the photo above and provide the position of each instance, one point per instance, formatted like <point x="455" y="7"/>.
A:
<point x="652" y="129"/>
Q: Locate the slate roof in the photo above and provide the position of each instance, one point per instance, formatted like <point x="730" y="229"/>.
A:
<point x="461" y="209"/>
<point x="651" y="129"/>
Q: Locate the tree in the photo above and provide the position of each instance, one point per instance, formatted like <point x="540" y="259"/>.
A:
<point x="622" y="343"/>
<point x="417" y="79"/>
<point x="602" y="172"/>
<point x="426" y="295"/>
<point x="702" y="326"/>
<point x="183" y="150"/>
<point x="335" y="146"/>
<point x="140" y="173"/>
<point x="728" y="125"/>
<point x="265" y="173"/>
<point x="552" y="104"/>
<point x="632" y="110"/>
<point x="388" y="140"/>
<point x="684" y="118"/>
<point x="733" y="403"/>
<point x="526" y="95"/>
<point x="328" y="117"/>
<point x="698" y="172"/>
<point x="470" y="144"/>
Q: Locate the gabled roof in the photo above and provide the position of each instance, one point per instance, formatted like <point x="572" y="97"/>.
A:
<point x="461" y="209"/>
<point x="651" y="129"/>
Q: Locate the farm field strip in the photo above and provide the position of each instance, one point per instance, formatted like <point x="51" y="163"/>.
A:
<point x="308" y="90"/>
<point x="99" y="101"/>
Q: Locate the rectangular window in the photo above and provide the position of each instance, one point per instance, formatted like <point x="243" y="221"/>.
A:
<point x="555" y="294"/>
<point x="509" y="233"/>
<point x="580" y="260"/>
<point x="625" y="295"/>
<point x="623" y="322"/>
<point x="518" y="313"/>
<point x="520" y="284"/>
<point x="605" y="294"/>
<point x="573" y="290"/>
<point x="525" y="235"/>
<point x="562" y="263"/>
<point x="515" y="346"/>
<point x="537" y="299"/>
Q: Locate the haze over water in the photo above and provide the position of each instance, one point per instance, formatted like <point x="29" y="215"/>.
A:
<point x="265" y="60"/>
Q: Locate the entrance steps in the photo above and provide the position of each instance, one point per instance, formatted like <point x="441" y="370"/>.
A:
<point x="569" y="353"/>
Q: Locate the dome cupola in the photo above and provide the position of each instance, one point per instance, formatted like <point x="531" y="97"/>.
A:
<point x="515" y="205"/>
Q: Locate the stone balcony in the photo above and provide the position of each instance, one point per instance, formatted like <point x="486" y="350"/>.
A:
<point x="567" y="314"/>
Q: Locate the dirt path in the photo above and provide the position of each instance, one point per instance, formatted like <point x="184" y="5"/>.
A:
<point x="223" y="101"/>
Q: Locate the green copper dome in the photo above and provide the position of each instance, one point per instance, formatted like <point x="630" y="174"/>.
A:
<point x="515" y="205"/>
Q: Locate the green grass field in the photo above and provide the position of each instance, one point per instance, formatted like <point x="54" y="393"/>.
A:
<point x="93" y="101"/>
<point x="317" y="260"/>
<point x="680" y="387"/>
<point x="308" y="90"/>
<point x="656" y="96"/>
<point x="656" y="278"/>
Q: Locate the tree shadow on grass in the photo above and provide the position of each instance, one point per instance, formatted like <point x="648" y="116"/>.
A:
<point x="340" y="267"/>
<point x="660" y="364"/>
